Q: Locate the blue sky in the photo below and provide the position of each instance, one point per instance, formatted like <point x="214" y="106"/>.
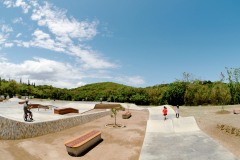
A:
<point x="134" y="42"/>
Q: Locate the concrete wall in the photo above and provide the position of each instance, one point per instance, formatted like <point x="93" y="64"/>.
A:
<point x="11" y="129"/>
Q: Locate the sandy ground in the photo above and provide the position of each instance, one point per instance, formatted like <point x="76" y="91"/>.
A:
<point x="208" y="118"/>
<point x="118" y="143"/>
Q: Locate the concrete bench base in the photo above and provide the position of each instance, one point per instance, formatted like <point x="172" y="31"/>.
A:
<point x="126" y="115"/>
<point x="236" y="111"/>
<point x="79" y="145"/>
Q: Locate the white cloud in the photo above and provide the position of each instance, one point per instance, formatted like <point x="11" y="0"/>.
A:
<point x="23" y="5"/>
<point x="18" y="35"/>
<point x="5" y="28"/>
<point x="8" y="3"/>
<point x="18" y="20"/>
<point x="91" y="59"/>
<point x="19" y="3"/>
<point x="2" y="59"/>
<point x="42" y="71"/>
<point x="2" y="38"/>
<point x="131" y="80"/>
<point x="59" y="24"/>
<point x="56" y="32"/>
<point x="65" y="35"/>
<point x="8" y="45"/>
<point x="4" y="34"/>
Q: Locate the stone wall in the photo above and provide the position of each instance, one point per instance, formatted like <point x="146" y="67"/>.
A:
<point x="11" y="129"/>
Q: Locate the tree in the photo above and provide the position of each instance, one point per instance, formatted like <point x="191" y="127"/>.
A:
<point x="139" y="99"/>
<point x="174" y="94"/>
<point x="220" y="94"/>
<point x="234" y="86"/>
<point x="12" y="88"/>
<point x="114" y="114"/>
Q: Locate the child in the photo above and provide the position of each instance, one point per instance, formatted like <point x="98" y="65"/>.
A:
<point x="177" y="111"/>
<point x="164" y="112"/>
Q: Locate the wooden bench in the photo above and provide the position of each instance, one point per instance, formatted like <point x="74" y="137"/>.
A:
<point x="65" y="110"/>
<point x="37" y="106"/>
<point x="79" y="145"/>
<point x="21" y="102"/>
<point x="236" y="111"/>
<point x="109" y="106"/>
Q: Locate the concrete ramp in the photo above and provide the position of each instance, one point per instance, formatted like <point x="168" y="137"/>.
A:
<point x="178" y="139"/>
<point x="175" y="125"/>
<point x="155" y="113"/>
<point x="159" y="126"/>
<point x="185" y="124"/>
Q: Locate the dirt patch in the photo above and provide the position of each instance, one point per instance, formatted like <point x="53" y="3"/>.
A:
<point x="223" y="112"/>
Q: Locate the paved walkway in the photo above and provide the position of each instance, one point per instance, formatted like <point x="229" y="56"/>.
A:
<point x="178" y="139"/>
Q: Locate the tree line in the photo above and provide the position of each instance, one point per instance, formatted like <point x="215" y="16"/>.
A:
<point x="187" y="91"/>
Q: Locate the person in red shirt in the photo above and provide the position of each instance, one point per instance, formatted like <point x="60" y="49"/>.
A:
<point x="164" y="112"/>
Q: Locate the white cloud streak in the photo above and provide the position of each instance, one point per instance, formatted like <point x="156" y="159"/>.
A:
<point x="42" y="71"/>
<point x="131" y="80"/>
<point x="4" y="34"/>
<point x="18" y="20"/>
<point x="18" y="3"/>
<point x="66" y="35"/>
<point x="56" y="32"/>
<point x="18" y="35"/>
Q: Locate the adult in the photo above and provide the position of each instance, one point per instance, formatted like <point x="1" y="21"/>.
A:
<point x="27" y="111"/>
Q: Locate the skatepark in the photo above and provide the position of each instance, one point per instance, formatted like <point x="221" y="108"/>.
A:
<point x="178" y="138"/>
<point x="174" y="138"/>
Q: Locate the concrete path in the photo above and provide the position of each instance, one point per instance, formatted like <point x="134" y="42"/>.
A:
<point x="178" y="139"/>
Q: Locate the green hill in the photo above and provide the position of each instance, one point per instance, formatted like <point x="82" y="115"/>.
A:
<point x="106" y="91"/>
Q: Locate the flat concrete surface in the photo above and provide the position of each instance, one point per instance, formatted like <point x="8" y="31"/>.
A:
<point x="178" y="139"/>
<point x="12" y="110"/>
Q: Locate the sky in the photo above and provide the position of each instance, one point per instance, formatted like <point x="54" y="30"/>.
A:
<point x="138" y="43"/>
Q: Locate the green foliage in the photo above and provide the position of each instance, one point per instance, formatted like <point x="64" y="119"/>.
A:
<point x="187" y="91"/>
<point x="114" y="114"/>
<point x="220" y="94"/>
<point x="174" y="94"/>
<point x="234" y="85"/>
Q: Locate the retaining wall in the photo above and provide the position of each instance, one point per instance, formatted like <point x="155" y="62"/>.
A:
<point x="11" y="129"/>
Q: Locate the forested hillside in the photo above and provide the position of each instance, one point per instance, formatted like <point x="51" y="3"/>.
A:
<point x="180" y="92"/>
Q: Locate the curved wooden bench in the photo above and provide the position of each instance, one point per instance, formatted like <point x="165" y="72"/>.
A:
<point x="65" y="110"/>
<point x="80" y="144"/>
